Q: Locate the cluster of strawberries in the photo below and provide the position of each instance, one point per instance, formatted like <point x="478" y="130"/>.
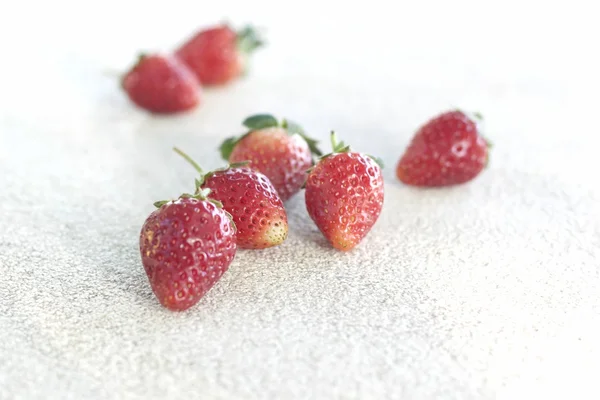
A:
<point x="172" y="83"/>
<point x="187" y="244"/>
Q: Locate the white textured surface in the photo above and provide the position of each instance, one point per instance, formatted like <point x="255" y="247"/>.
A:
<point x="488" y="290"/>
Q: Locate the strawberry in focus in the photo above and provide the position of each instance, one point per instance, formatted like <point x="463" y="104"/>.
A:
<point x="344" y="195"/>
<point x="447" y="150"/>
<point x="252" y="201"/>
<point x="186" y="246"/>
<point x="162" y="85"/>
<point x="219" y="54"/>
<point x="280" y="150"/>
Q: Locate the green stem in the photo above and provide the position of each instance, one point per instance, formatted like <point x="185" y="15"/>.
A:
<point x="334" y="140"/>
<point x="189" y="159"/>
<point x="249" y="39"/>
<point x="202" y="194"/>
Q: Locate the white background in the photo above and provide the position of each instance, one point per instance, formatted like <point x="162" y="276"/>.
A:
<point x="488" y="290"/>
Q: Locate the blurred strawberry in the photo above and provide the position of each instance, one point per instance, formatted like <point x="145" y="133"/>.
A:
<point x="219" y="54"/>
<point x="161" y="84"/>
<point x="447" y="150"/>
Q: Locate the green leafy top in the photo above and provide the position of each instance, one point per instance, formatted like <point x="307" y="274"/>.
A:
<point x="341" y="147"/>
<point x="263" y="121"/>
<point x="478" y="119"/>
<point x="260" y="121"/>
<point x="200" y="194"/>
<point x="248" y="39"/>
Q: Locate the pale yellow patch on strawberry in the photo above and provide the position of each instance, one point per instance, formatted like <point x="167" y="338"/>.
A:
<point x="149" y="235"/>
<point x="341" y="241"/>
<point x="276" y="233"/>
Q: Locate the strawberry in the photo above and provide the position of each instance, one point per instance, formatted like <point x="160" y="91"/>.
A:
<point x="447" y="150"/>
<point x="161" y="84"/>
<point x="280" y="150"/>
<point x="186" y="246"/>
<point x="344" y="195"/>
<point x="219" y="54"/>
<point x="252" y="201"/>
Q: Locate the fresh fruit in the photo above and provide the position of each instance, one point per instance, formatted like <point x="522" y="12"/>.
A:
<point x="280" y="150"/>
<point x="252" y="201"/>
<point x="161" y="84"/>
<point x="344" y="195"/>
<point x="186" y="246"/>
<point x="219" y="54"/>
<point x="447" y="150"/>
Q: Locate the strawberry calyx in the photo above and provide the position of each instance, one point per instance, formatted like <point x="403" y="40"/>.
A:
<point x="338" y="146"/>
<point x="264" y="121"/>
<point x="248" y="39"/>
<point x="260" y="121"/>
<point x="140" y="57"/>
<point x="199" y="194"/>
<point x="477" y="118"/>
<point x="222" y="169"/>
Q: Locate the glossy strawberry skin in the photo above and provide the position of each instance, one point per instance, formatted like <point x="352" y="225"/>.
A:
<point x="253" y="202"/>
<point x="162" y="85"/>
<point x="186" y="246"/>
<point x="212" y="54"/>
<point x="344" y="197"/>
<point x="283" y="158"/>
<point x="447" y="150"/>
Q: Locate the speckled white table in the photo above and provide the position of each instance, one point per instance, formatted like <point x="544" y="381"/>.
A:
<point x="484" y="291"/>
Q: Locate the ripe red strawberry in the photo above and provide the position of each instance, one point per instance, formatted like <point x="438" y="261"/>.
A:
<point x="344" y="195"/>
<point x="219" y="54"/>
<point x="281" y="151"/>
<point x="252" y="201"/>
<point x="447" y="150"/>
<point x="186" y="246"/>
<point x="162" y="85"/>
